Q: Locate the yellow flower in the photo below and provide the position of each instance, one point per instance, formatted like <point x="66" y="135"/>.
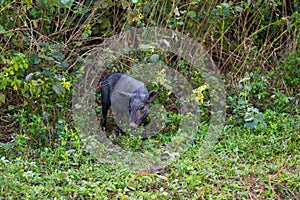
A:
<point x="161" y="77"/>
<point x="161" y="80"/>
<point x="16" y="87"/>
<point x="197" y="94"/>
<point x="66" y="84"/>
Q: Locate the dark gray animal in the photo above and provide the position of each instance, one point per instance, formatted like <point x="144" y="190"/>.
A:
<point x="129" y="100"/>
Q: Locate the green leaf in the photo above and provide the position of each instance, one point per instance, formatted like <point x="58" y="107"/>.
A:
<point x="46" y="73"/>
<point x="10" y="107"/>
<point x="64" y="64"/>
<point x="29" y="76"/>
<point x="35" y="59"/>
<point x="5" y="146"/>
<point x="251" y="124"/>
<point x="154" y="58"/>
<point x="85" y="35"/>
<point x="43" y="43"/>
<point x="9" y="34"/>
<point x="192" y="14"/>
<point x="66" y="3"/>
<point x="78" y="44"/>
<point x="2" y="98"/>
<point x="61" y="121"/>
<point x="215" y="11"/>
<point x="28" y="4"/>
<point x="2" y="29"/>
<point x="248" y="87"/>
<point x="244" y="79"/>
<point x="239" y="9"/>
<point x="58" y="88"/>
<point x="105" y="23"/>
<point x="46" y="115"/>
<point x="79" y="59"/>
<point x="34" y="13"/>
<point x="58" y="56"/>
<point x="241" y="102"/>
<point x="225" y="5"/>
<point x="226" y="11"/>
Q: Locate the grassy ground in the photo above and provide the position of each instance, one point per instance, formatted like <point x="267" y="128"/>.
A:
<point x="262" y="163"/>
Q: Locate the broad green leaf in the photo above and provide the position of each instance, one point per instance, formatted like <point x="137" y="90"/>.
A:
<point x="2" y="98"/>
<point x="29" y="76"/>
<point x="215" y="11"/>
<point x="154" y="58"/>
<point x="241" y="102"/>
<point x="192" y="14"/>
<point x="64" y="64"/>
<point x="28" y="4"/>
<point x="66" y="3"/>
<point x="248" y="87"/>
<point x="46" y="73"/>
<point x="2" y="29"/>
<point x="61" y="121"/>
<point x="43" y="43"/>
<point x="225" y="5"/>
<point x="226" y="11"/>
<point x="251" y="124"/>
<point x="244" y="79"/>
<point x="10" y="107"/>
<point x="9" y="34"/>
<point x="239" y="9"/>
<point x="35" y="59"/>
<point x="58" y="88"/>
<point x="58" y="56"/>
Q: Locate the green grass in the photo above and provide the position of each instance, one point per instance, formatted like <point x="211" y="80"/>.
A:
<point x="262" y="163"/>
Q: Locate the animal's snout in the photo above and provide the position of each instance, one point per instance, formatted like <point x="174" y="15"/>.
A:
<point x="133" y="125"/>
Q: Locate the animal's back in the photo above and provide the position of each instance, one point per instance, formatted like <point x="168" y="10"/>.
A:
<point x="128" y="85"/>
<point x="107" y="87"/>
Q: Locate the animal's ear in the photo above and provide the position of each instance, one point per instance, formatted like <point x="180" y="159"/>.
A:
<point x="126" y="94"/>
<point x="151" y="95"/>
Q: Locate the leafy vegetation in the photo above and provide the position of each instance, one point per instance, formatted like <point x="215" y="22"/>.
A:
<point x="255" y="45"/>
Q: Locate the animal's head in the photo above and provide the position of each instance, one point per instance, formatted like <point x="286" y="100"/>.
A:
<point x="139" y="106"/>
